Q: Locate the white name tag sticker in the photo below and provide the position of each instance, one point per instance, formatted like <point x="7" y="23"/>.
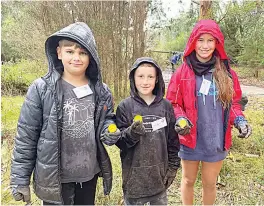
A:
<point x="159" y="124"/>
<point x="82" y="91"/>
<point x="205" y="86"/>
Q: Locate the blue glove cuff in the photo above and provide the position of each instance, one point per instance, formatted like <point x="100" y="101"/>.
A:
<point x="239" y="120"/>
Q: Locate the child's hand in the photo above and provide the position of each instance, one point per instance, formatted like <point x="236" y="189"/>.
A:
<point x="183" y="126"/>
<point x="110" y="138"/>
<point x="137" y="129"/>
<point x="243" y="127"/>
<point x="245" y="130"/>
<point x="169" y="177"/>
<point x="21" y="192"/>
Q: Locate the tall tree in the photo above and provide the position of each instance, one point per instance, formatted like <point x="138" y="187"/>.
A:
<point x="205" y="10"/>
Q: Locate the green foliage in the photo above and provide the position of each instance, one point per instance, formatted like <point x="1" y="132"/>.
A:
<point x="19" y="40"/>
<point x="16" y="77"/>
<point x="244" y="32"/>
<point x="172" y="37"/>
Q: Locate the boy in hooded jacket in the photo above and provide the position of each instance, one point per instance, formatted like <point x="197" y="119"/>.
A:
<point x="61" y="120"/>
<point x="205" y="94"/>
<point x="149" y="144"/>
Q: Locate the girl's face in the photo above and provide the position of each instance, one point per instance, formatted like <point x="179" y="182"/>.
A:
<point x="205" y="46"/>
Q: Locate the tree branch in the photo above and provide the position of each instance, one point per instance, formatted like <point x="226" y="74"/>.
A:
<point x="193" y="1"/>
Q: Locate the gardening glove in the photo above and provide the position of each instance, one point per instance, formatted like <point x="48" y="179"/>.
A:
<point x="137" y="129"/>
<point x="243" y="127"/>
<point x="21" y="192"/>
<point x="185" y="128"/>
<point x="169" y="177"/>
<point x="110" y="138"/>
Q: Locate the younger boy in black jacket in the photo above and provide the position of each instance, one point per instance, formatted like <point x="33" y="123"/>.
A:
<point x="149" y="148"/>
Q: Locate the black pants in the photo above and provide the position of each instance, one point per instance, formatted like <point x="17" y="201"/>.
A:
<point x="78" y="194"/>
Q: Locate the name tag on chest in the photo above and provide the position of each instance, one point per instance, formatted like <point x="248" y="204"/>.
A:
<point x="82" y="91"/>
<point x="159" y="124"/>
<point x="205" y="86"/>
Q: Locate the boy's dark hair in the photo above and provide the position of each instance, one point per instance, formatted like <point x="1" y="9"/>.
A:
<point x="70" y="42"/>
<point x="146" y="64"/>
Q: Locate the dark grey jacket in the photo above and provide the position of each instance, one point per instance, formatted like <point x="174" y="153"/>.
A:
<point x="146" y="161"/>
<point x="37" y="143"/>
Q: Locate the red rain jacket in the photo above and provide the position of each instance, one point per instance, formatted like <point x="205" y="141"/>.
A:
<point x="182" y="87"/>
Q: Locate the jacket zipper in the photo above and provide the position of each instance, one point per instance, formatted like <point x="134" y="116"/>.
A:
<point x="58" y="137"/>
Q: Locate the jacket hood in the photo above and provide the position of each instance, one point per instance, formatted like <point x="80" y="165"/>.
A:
<point x="78" y="32"/>
<point x="210" y="27"/>
<point x="159" y="89"/>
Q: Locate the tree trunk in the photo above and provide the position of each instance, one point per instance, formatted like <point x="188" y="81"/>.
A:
<point x="205" y="10"/>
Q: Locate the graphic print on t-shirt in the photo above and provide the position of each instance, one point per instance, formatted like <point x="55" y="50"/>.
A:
<point x="78" y="117"/>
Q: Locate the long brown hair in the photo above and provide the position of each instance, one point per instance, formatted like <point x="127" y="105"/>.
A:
<point x="224" y="83"/>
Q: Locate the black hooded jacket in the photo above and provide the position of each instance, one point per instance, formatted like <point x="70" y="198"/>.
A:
<point x="145" y="162"/>
<point x="37" y="143"/>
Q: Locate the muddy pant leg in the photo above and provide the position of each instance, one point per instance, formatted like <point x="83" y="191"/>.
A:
<point x="47" y="203"/>
<point x="162" y="200"/>
<point x="132" y="201"/>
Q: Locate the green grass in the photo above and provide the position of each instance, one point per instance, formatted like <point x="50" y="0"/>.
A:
<point x="10" y="107"/>
<point x="242" y="176"/>
<point x="16" y="77"/>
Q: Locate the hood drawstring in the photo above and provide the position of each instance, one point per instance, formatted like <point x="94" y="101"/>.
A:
<point x="80" y="183"/>
<point x="203" y="94"/>
<point x="214" y="92"/>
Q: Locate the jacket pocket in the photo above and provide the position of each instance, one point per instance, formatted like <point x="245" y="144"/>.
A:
<point x="145" y="181"/>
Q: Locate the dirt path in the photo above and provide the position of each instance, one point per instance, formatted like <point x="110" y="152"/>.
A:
<point x="252" y="90"/>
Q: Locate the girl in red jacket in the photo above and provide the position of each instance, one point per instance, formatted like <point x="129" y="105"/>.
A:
<point x="205" y="95"/>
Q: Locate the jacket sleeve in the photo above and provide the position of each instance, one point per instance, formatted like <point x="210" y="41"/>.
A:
<point x="110" y="116"/>
<point x="26" y="140"/>
<point x="124" y="125"/>
<point x="236" y="106"/>
<point x="173" y="143"/>
<point x="174" y="94"/>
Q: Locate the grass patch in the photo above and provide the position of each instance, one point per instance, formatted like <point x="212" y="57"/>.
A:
<point x="243" y="176"/>
<point x="16" y="77"/>
<point x="10" y="106"/>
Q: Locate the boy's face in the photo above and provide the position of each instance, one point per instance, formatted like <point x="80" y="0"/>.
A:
<point x="145" y="80"/>
<point x="75" y="60"/>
